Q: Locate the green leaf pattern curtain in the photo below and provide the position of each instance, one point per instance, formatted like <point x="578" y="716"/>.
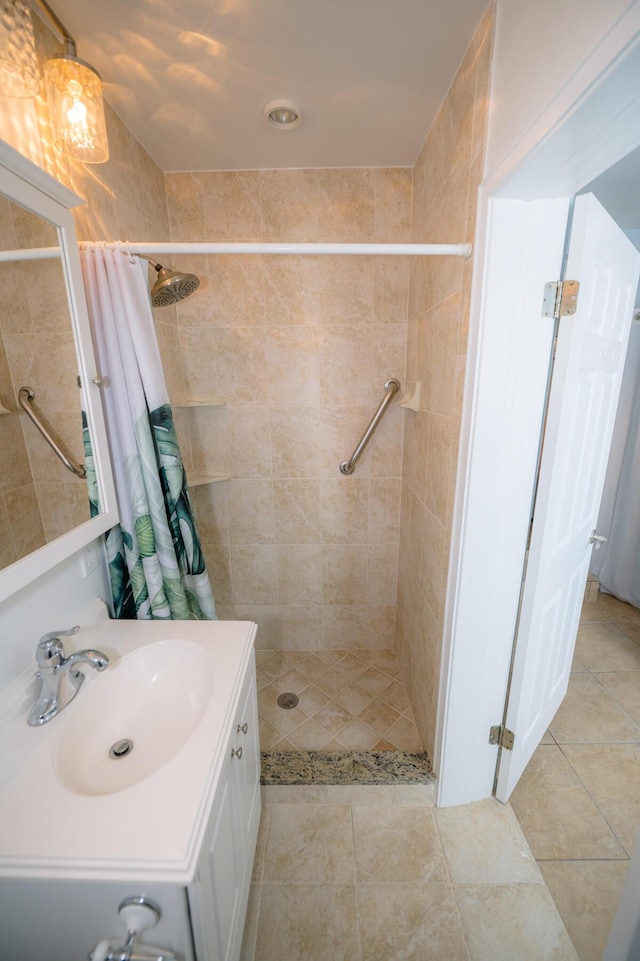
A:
<point x="156" y="564"/>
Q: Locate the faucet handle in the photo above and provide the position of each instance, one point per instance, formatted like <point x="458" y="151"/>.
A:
<point x="50" y="646"/>
<point x="54" y="635"/>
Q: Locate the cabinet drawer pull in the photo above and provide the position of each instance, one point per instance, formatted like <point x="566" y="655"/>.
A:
<point x="243" y="728"/>
<point x="236" y="752"/>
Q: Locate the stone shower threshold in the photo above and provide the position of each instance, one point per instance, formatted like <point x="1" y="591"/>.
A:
<point x="345" y="767"/>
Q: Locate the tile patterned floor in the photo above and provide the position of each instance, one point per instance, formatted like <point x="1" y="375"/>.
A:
<point x="578" y="801"/>
<point x="378" y="874"/>
<point x="348" y="700"/>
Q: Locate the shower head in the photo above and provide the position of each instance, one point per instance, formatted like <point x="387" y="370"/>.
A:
<point x="171" y="286"/>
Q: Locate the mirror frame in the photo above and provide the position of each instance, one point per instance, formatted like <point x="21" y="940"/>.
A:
<point x="30" y="186"/>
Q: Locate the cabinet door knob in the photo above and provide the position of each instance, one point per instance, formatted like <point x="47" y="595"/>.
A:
<point x="236" y="752"/>
<point x="243" y="728"/>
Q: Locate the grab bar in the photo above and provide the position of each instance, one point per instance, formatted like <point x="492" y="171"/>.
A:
<point x="392" y="387"/>
<point x="26" y="398"/>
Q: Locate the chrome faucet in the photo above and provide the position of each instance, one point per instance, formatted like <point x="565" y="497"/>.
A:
<point x="60" y="681"/>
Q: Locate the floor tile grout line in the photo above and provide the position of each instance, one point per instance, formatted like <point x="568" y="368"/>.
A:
<point x="258" y="910"/>
<point x="580" y="860"/>
<point x="285" y="882"/>
<point x="580" y="657"/>
<point x="594" y="674"/>
<point x="265" y="813"/>
<point x="614" y="671"/>
<point x="564" y="743"/>
<point x="442" y="847"/>
<point x="355" y="876"/>
<point x="593" y="800"/>
<point x="612" y="696"/>
<point x="619" y="621"/>
<point x="452" y="886"/>
<point x="358" y="922"/>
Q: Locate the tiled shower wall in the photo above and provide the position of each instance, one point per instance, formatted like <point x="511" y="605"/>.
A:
<point x="445" y="185"/>
<point x="301" y="348"/>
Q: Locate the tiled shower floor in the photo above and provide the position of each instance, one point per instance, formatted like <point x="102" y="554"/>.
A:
<point x="348" y="700"/>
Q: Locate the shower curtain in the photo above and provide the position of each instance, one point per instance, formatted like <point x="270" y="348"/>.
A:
<point x="156" y="564"/>
<point x="617" y="563"/>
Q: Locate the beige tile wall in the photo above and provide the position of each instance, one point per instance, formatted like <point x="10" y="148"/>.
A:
<point x="445" y="182"/>
<point x="301" y="348"/>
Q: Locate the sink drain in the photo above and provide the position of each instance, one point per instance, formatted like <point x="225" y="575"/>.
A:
<point x="121" y="748"/>
<point x="288" y="700"/>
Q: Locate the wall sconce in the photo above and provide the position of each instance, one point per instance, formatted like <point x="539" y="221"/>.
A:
<point x="19" y="74"/>
<point x="74" y="91"/>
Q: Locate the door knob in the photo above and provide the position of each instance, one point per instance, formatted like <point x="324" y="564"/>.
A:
<point x="597" y="539"/>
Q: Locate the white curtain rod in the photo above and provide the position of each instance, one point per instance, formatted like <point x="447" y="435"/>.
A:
<point x="403" y="250"/>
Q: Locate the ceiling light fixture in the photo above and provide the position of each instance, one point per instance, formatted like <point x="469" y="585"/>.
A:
<point x="283" y="114"/>
<point x="19" y="74"/>
<point x="74" y="91"/>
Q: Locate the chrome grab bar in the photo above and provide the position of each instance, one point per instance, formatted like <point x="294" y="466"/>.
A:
<point x="26" y="398"/>
<point x="392" y="387"/>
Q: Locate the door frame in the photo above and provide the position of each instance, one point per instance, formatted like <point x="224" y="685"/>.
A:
<point x="522" y="210"/>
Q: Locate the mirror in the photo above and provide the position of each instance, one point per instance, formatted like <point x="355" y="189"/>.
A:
<point x="41" y="499"/>
<point x="45" y="344"/>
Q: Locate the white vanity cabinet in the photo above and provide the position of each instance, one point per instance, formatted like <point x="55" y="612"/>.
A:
<point x="59" y="920"/>
<point x="218" y="898"/>
<point x="184" y="836"/>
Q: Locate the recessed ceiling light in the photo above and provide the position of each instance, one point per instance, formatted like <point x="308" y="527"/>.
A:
<point x="283" y="114"/>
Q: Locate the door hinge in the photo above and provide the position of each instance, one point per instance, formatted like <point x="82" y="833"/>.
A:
<point x="560" y="298"/>
<point x="502" y="736"/>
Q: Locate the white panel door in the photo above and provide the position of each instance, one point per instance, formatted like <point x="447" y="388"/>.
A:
<point x="584" y="392"/>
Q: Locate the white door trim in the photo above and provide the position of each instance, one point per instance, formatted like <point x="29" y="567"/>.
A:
<point x="590" y="124"/>
<point x="489" y="540"/>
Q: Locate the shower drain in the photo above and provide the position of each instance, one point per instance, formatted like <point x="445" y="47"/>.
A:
<point x="121" y="748"/>
<point x="288" y="700"/>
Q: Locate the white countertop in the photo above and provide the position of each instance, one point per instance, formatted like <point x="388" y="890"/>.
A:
<point x="151" y="830"/>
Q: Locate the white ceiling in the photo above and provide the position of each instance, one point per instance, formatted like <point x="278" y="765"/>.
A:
<point x="190" y="78"/>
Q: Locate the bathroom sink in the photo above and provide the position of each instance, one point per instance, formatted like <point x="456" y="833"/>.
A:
<point x="132" y="719"/>
<point x="171" y="688"/>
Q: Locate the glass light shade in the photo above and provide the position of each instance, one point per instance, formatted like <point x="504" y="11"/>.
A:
<point x="19" y="74"/>
<point x="77" y="112"/>
<point x="283" y="115"/>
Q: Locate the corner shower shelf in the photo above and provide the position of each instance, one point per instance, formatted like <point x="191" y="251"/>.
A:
<point x="202" y="402"/>
<point x="210" y="477"/>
